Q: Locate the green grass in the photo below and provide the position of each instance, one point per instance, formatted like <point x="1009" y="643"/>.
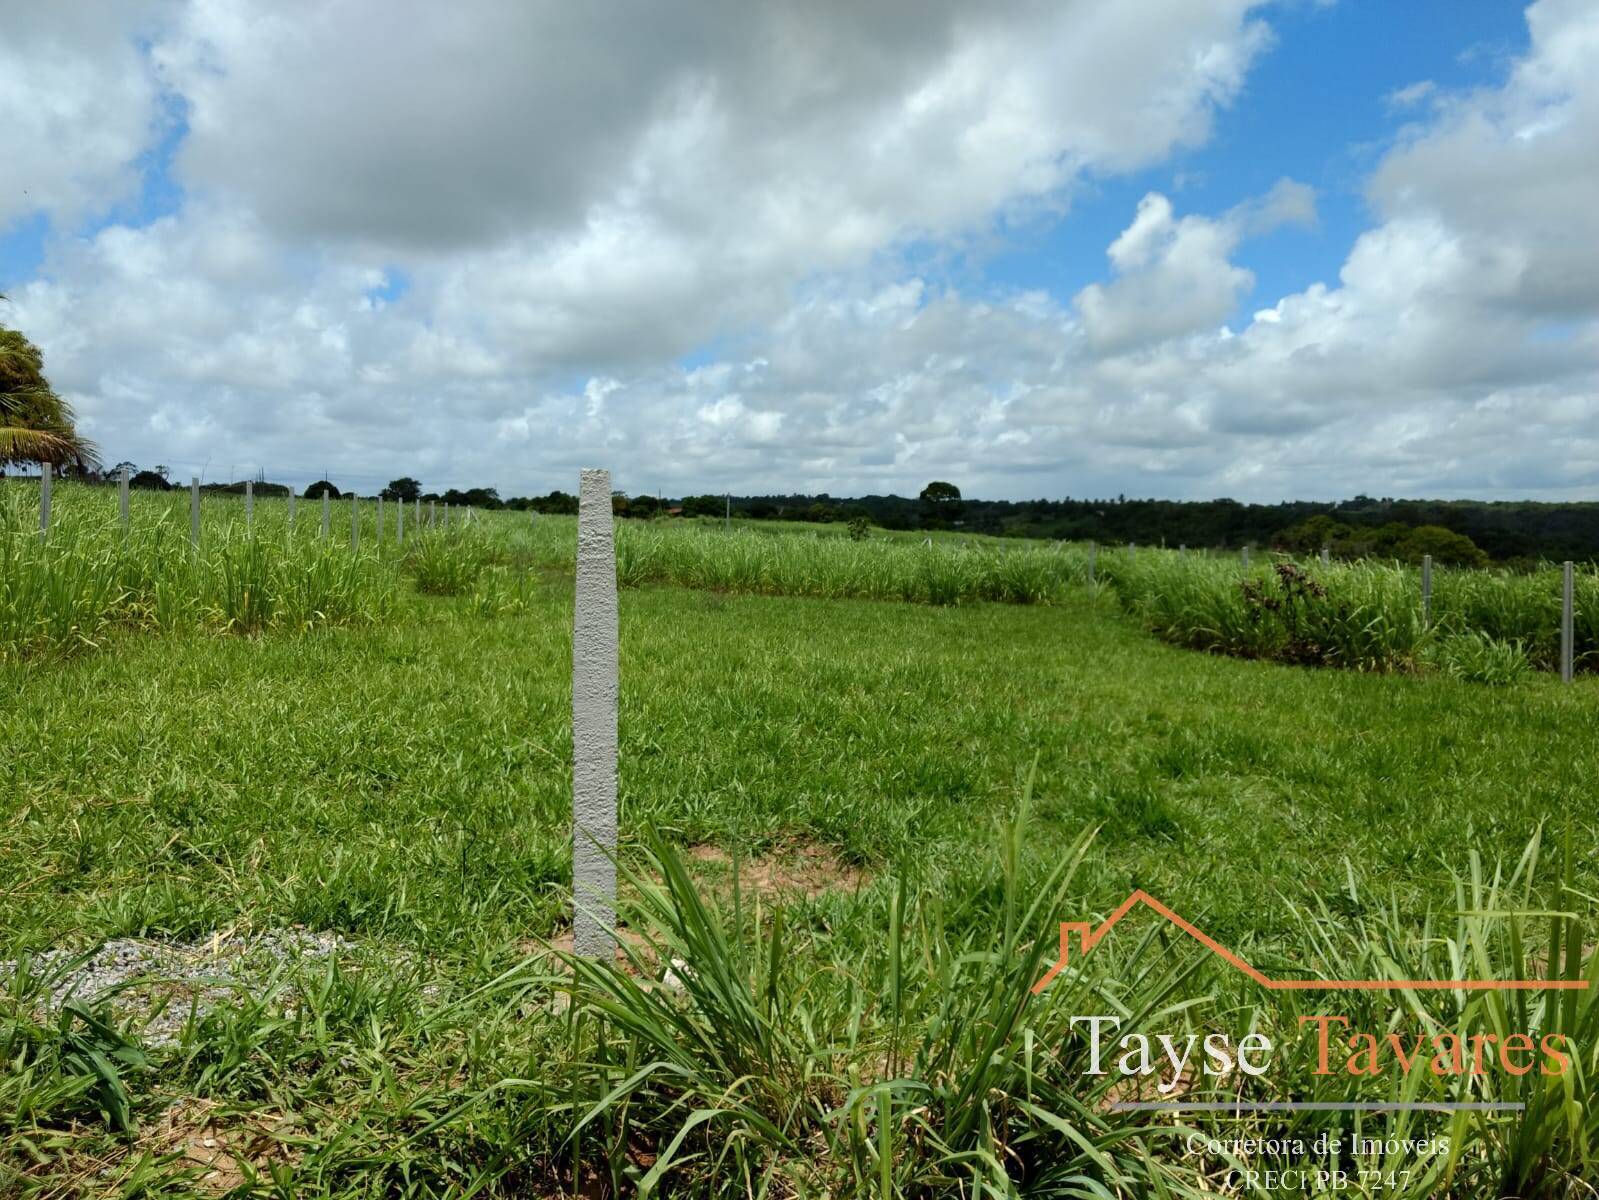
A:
<point x="407" y="783"/>
<point x="386" y="754"/>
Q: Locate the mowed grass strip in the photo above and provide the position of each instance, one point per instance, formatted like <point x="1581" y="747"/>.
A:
<point x="407" y="786"/>
<point x="412" y="781"/>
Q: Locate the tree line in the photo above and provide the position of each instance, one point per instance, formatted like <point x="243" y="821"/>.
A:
<point x="36" y="426"/>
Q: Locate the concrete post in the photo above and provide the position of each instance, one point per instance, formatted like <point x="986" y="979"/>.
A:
<point x="1567" y="630"/>
<point x="594" y="705"/>
<point x="122" y="498"/>
<point x="1426" y="589"/>
<point x="418" y="515"/>
<point x="1131" y="548"/>
<point x="1246" y="556"/>
<point x="433" y="512"/>
<point x="291" y="508"/>
<point x="1326" y="556"/>
<point x="1182" y="549"/>
<point x="355" y="523"/>
<point x="249" y="505"/>
<point x="727" y="521"/>
<point x="324" y="514"/>
<point x="44" y="499"/>
<point x="194" y="511"/>
<point x="380" y="521"/>
<point x="399" y="522"/>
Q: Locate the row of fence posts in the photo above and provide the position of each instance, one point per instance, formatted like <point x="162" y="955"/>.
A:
<point x="46" y="482"/>
<point x="1567" y="569"/>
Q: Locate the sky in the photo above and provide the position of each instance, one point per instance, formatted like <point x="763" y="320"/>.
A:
<point x="1037" y="248"/>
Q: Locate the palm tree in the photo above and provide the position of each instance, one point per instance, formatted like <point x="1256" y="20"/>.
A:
<point x="36" y="425"/>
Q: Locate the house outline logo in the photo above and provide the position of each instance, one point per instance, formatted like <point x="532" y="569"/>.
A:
<point x="1091" y="937"/>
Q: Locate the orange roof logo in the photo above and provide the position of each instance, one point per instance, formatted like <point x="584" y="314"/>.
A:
<point x="1090" y="937"/>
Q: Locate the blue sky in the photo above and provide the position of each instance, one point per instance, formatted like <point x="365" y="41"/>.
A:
<point x="1315" y="108"/>
<point x="735" y="247"/>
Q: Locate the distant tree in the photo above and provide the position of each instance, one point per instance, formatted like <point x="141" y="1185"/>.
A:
<point x="703" y="506"/>
<point x="403" y="488"/>
<point x="153" y="480"/>
<point x="314" y="492"/>
<point x="36" y="425"/>
<point x="1308" y="537"/>
<point x="643" y="506"/>
<point x="1448" y="548"/>
<point x="940" y="503"/>
<point x="131" y="468"/>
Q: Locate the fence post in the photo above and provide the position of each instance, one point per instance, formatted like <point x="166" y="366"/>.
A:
<point x="418" y="514"/>
<point x="1246" y="556"/>
<point x="194" y="511"/>
<point x="355" y="522"/>
<point x="399" y="522"/>
<point x="380" y="521"/>
<point x="249" y="505"/>
<point x="44" y="500"/>
<point x="594" y="702"/>
<point x="122" y="499"/>
<point x="1566" y="621"/>
<point x="291" y="508"/>
<point x="1131" y="548"/>
<point x="1182" y="549"/>
<point x="1093" y="558"/>
<point x="324" y="514"/>
<point x="1426" y="589"/>
<point x="727" y="521"/>
<point x="1326" y="557"/>
<point x="433" y="512"/>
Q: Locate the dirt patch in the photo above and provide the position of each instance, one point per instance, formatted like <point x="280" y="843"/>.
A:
<point x="222" y="1149"/>
<point x="792" y="869"/>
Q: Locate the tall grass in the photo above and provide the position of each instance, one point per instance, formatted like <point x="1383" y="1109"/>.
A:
<point x="1486" y="625"/>
<point x="89" y="576"/>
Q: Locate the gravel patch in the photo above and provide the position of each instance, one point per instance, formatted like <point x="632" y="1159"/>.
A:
<point x="157" y="983"/>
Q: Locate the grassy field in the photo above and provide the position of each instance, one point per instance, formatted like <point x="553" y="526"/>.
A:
<point x="915" y="794"/>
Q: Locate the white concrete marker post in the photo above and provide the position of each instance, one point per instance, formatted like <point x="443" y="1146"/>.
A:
<point x="380" y="521"/>
<point x="1567" y="631"/>
<point x="1326" y="557"/>
<point x="44" y="499"/>
<point x="355" y="523"/>
<point x="291" y="509"/>
<point x="594" y="701"/>
<point x="194" y="512"/>
<point x="324" y="514"/>
<point x="1426" y="589"/>
<point x="249" y="506"/>
<point x="1182" y="549"/>
<point x="418" y="514"/>
<point x="433" y="512"/>
<point x="1246" y="557"/>
<point x="399" y="522"/>
<point x="122" y="498"/>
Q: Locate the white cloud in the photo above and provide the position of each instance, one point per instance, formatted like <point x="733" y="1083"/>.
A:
<point x="577" y="206"/>
<point x="78" y="103"/>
